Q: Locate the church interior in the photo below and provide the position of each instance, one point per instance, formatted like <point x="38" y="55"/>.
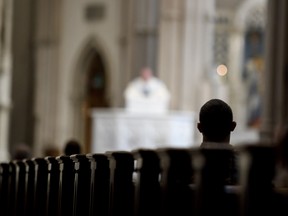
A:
<point x="72" y="70"/>
<point x="66" y="63"/>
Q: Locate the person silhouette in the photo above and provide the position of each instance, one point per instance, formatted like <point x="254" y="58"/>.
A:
<point x="22" y="151"/>
<point x="72" y="147"/>
<point x="147" y="93"/>
<point x="216" y="122"/>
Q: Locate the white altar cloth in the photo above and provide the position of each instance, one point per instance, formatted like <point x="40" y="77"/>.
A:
<point x="117" y="129"/>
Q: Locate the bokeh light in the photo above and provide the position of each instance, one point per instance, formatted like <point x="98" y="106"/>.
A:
<point x="222" y="70"/>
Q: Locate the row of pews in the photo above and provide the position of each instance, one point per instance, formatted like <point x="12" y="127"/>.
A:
<point x="166" y="181"/>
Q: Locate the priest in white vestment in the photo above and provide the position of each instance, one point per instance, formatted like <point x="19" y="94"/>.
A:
<point x="147" y="94"/>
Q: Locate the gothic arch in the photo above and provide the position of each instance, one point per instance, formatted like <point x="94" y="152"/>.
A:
<point x="92" y="50"/>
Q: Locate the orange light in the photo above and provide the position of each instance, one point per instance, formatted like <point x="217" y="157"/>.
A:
<point x="222" y="70"/>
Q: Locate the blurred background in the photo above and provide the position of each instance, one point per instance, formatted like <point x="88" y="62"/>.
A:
<point x="61" y="60"/>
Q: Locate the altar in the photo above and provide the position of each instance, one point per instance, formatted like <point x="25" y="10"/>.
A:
<point x="118" y="129"/>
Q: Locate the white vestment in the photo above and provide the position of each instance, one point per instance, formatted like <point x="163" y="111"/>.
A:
<point x="147" y="96"/>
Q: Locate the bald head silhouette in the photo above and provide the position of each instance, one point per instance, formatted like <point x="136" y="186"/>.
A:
<point x="216" y="121"/>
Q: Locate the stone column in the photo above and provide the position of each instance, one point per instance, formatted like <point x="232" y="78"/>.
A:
<point x="197" y="57"/>
<point x="276" y="69"/>
<point x="185" y="57"/>
<point x="237" y="91"/>
<point x="170" y="37"/>
<point x="47" y="76"/>
<point x="127" y="46"/>
<point x="5" y="76"/>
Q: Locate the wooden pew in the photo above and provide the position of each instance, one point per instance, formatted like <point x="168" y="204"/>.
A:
<point x="147" y="186"/>
<point x="121" y="165"/>
<point x="66" y="185"/>
<point x="21" y="187"/>
<point x="53" y="186"/>
<point x="82" y="169"/>
<point x="257" y="169"/>
<point x="41" y="182"/>
<point x="12" y="189"/>
<point x="176" y="179"/>
<point x="99" y="184"/>
<point x="4" y="187"/>
<point x="214" y="167"/>
<point x="30" y="191"/>
<point x="166" y="181"/>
